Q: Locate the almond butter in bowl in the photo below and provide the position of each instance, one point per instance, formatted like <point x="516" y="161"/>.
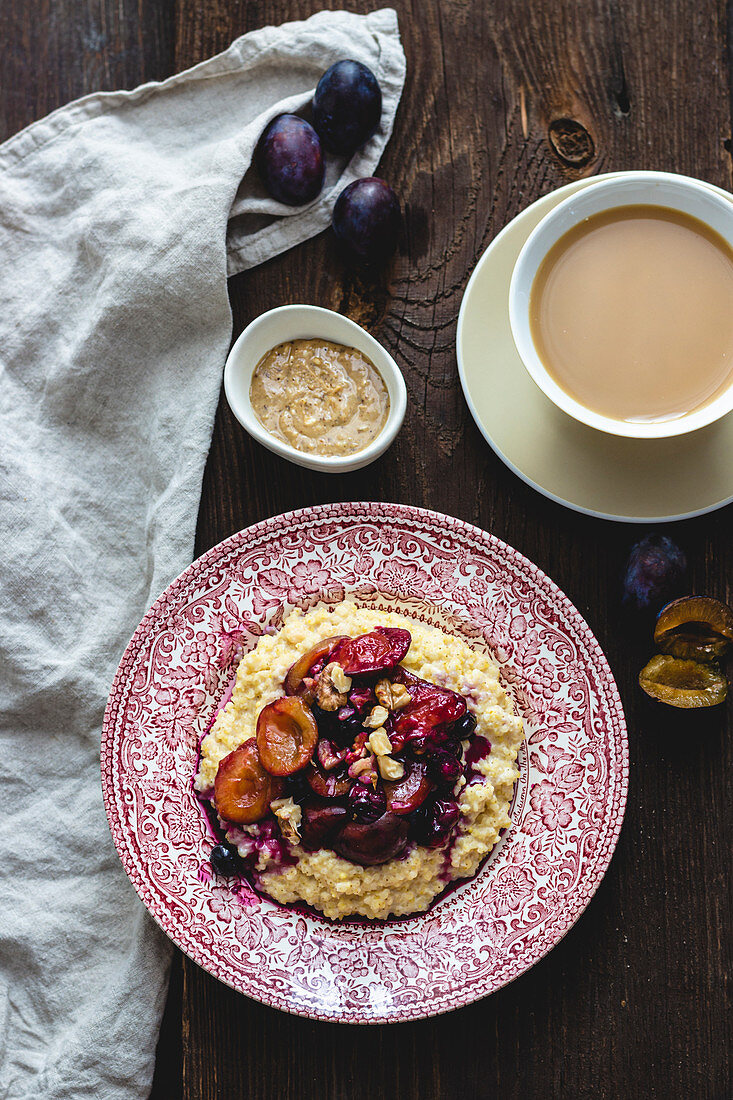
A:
<point x="320" y="397"/>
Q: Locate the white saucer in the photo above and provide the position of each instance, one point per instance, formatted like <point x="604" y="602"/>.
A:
<point x="632" y="480"/>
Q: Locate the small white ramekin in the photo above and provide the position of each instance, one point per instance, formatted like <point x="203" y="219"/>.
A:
<point x="299" y="322"/>
<point x="664" y="189"/>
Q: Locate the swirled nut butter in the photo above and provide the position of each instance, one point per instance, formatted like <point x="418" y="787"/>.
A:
<point x="321" y="398"/>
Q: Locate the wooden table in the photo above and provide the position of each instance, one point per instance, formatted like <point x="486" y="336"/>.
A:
<point x="505" y="101"/>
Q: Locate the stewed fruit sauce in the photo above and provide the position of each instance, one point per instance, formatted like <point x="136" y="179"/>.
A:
<point x="359" y="756"/>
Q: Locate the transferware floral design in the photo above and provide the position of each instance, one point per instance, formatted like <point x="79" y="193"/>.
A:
<point x="568" y="804"/>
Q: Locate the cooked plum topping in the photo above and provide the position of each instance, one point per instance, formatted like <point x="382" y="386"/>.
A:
<point x="290" y="160"/>
<point x="347" y="106"/>
<point x="377" y="842"/>
<point x="433" y="824"/>
<point x="684" y="684"/>
<point x="367" y="803"/>
<point x="327" y="784"/>
<point x="225" y="860"/>
<point x="287" y="735"/>
<point x="367" y="751"/>
<point x="654" y="574"/>
<point x="479" y="749"/>
<point x="378" y="651"/>
<point x="345" y="733"/>
<point x="444" y="768"/>
<point x="464" y="727"/>
<point x="407" y="794"/>
<point x="429" y="719"/>
<point x="319" y="822"/>
<point x="243" y="789"/>
<point x="329" y="757"/>
<point x="309" y="662"/>
<point x="696" y="628"/>
<point x="361" y="698"/>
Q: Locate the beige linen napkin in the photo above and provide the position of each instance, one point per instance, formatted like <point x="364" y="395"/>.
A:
<point x="120" y="217"/>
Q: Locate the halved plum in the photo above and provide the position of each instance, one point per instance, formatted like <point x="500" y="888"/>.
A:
<point x="320" y="821"/>
<point x="325" y="784"/>
<point x="377" y="651"/>
<point x="696" y="628"/>
<point x="287" y="735"/>
<point x="243" y="789"/>
<point x="430" y="707"/>
<point x="406" y="794"/>
<point x="305" y="664"/>
<point x="371" y="844"/>
<point x="684" y="684"/>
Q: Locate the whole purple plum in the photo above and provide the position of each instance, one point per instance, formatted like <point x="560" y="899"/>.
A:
<point x="366" y="218"/>
<point x="290" y="160"/>
<point x="654" y="573"/>
<point x="347" y="106"/>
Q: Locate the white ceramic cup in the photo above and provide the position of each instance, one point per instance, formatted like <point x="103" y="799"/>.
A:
<point x="299" y="322"/>
<point x="664" y="189"/>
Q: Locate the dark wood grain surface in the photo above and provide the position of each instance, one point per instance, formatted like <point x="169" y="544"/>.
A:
<point x="505" y="100"/>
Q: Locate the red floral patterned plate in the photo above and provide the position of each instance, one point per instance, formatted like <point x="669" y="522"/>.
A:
<point x="568" y="804"/>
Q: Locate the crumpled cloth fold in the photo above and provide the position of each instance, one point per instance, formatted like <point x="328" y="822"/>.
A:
<point x="121" y="216"/>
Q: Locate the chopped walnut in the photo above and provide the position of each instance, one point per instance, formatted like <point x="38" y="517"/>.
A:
<point x="329" y="695"/>
<point x="360" y="767"/>
<point x="379" y="742"/>
<point x="289" y="816"/>
<point x="392" y="696"/>
<point x="376" y="718"/>
<point x="389" y="768"/>
<point x="341" y="681"/>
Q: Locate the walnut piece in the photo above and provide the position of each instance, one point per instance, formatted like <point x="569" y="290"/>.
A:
<point x="389" y="768"/>
<point x="379" y="742"/>
<point x="289" y="815"/>
<point x="376" y="718"/>
<point x="361" y="767"/>
<point x="392" y="696"/>
<point x="330" y="695"/>
<point x="340" y="680"/>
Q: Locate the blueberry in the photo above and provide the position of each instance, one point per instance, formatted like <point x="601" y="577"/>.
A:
<point x="367" y="803"/>
<point x="225" y="860"/>
<point x="326" y="720"/>
<point x="347" y="106"/>
<point x="366" y="219"/>
<point x="444" y="767"/>
<point x="433" y="822"/>
<point x="464" y="726"/>
<point x="290" y="161"/>
<point x="655" y="573"/>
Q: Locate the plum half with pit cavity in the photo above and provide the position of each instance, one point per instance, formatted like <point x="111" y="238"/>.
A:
<point x="287" y="735"/>
<point x="243" y="789"/>
<point x="681" y="683"/>
<point x="306" y="664"/>
<point x="696" y="628"/>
